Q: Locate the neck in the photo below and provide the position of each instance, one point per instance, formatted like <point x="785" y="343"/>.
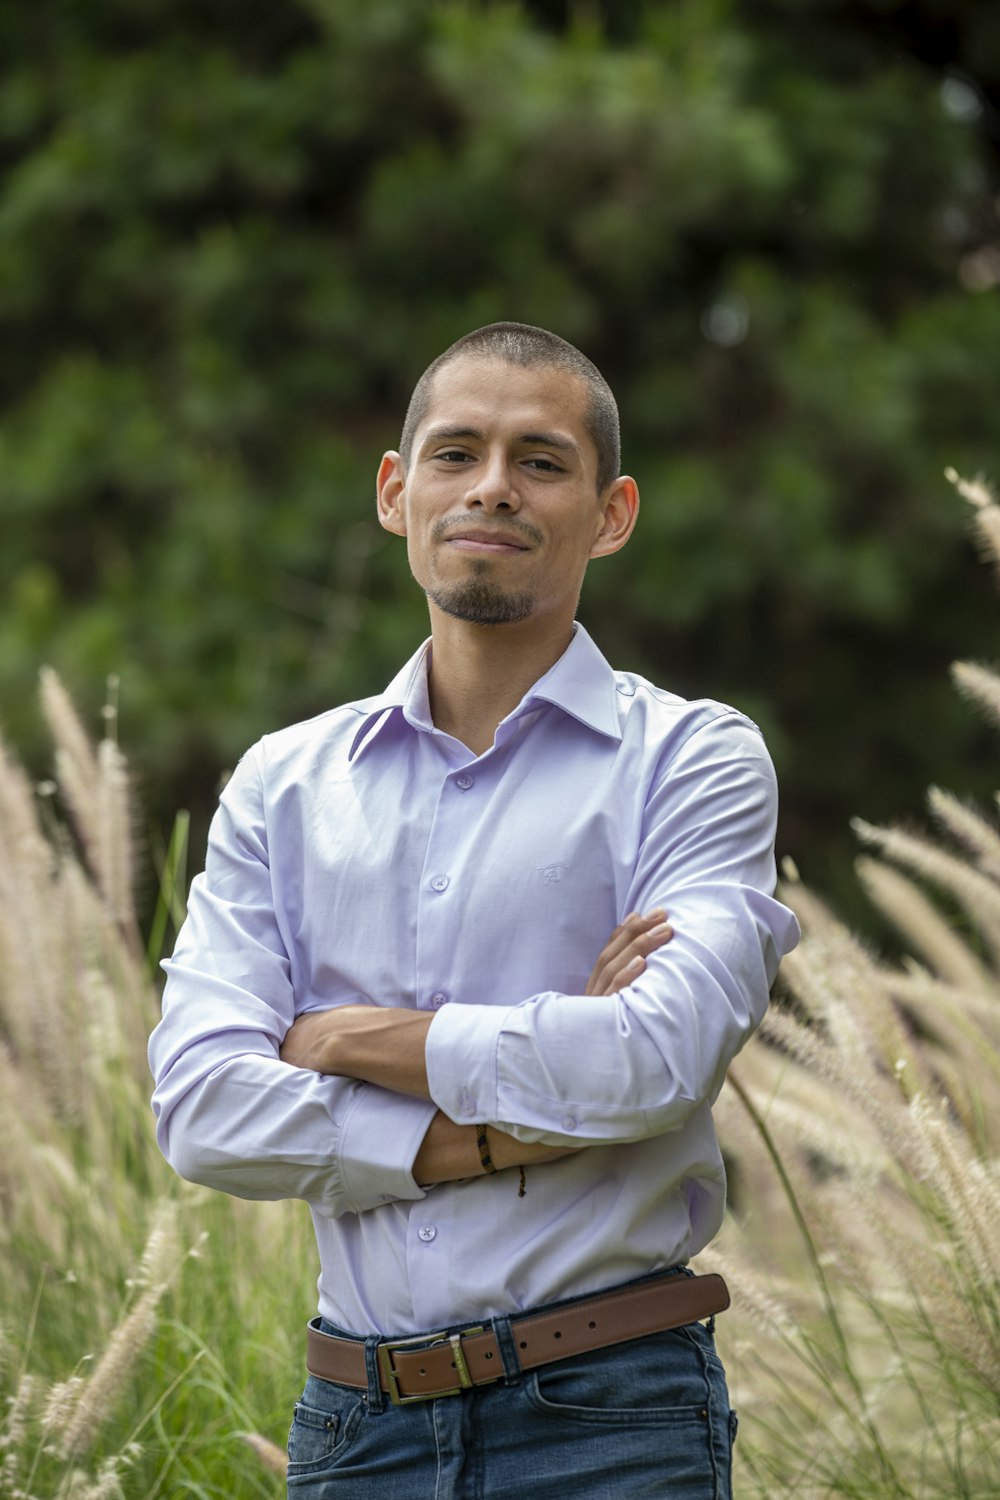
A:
<point x="480" y="673"/>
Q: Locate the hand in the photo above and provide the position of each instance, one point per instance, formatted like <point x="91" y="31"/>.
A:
<point x="623" y="957"/>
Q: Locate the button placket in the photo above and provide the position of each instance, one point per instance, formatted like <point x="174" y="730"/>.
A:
<point x="451" y="831"/>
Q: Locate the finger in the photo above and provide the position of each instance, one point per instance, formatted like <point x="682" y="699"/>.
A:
<point x="634" y="926"/>
<point x="630" y="964"/>
<point x="620" y="947"/>
<point x="641" y="945"/>
<point x="612" y="980"/>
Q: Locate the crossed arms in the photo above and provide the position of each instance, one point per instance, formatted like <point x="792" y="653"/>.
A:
<point x="354" y="1123"/>
<point x="385" y="1045"/>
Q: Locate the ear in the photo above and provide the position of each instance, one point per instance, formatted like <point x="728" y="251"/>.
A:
<point x="619" y="513"/>
<point x="390" y="493"/>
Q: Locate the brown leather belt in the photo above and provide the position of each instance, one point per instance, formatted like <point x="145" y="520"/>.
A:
<point x="444" y="1364"/>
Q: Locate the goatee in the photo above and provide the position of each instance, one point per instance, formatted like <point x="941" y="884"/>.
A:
<point x="482" y="603"/>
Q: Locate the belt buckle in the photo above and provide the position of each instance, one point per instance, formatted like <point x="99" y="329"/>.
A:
<point x="429" y="1341"/>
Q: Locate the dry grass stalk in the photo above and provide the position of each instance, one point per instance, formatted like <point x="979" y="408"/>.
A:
<point x="987" y="518"/>
<point x="77" y="770"/>
<point x="920" y="922"/>
<point x="97" y="1395"/>
<point x="979" y="895"/>
<point x="969" y="827"/>
<point x="162" y="1253"/>
<point x="981" y="685"/>
<point x="14" y="1435"/>
<point x="100" y="1391"/>
<point x="273" y="1458"/>
<point x="113" y="851"/>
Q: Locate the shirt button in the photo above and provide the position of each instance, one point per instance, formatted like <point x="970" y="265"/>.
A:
<point x="570" y="1122"/>
<point x="439" y="883"/>
<point x="439" y="999"/>
<point x="468" y="1106"/>
<point x="464" y="782"/>
<point x="426" y="1232"/>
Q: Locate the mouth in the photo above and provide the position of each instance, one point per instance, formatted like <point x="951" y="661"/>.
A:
<point x="496" y="543"/>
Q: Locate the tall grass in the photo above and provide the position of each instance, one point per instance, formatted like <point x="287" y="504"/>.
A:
<point x="143" y="1325"/>
<point x="150" y="1333"/>
<point x="864" y="1348"/>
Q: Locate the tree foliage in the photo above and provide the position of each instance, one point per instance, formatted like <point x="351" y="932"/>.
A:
<point x="231" y="236"/>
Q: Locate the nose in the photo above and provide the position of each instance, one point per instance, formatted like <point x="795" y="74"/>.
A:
<point x="493" y="487"/>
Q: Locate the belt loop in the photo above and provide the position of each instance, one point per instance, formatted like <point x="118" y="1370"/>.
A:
<point x="376" y="1396"/>
<point x="508" y="1351"/>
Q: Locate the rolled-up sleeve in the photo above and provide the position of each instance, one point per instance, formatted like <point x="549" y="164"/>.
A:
<point x="578" y="1069"/>
<point x="229" y="1113"/>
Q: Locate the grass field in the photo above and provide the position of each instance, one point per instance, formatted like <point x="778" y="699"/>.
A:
<point x="150" y="1333"/>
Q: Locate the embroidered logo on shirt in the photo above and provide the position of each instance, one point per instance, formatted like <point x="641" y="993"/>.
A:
<point x="551" y="874"/>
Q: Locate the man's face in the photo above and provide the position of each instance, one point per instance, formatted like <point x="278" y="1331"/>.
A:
<point x="499" y="501"/>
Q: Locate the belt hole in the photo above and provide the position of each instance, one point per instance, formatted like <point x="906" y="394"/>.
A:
<point x="557" y="1335"/>
<point x="523" y="1344"/>
<point x="423" y="1372"/>
<point x="591" y="1325"/>
<point x="490" y="1354"/>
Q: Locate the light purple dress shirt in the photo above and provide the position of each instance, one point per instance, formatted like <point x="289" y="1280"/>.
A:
<point x="367" y="856"/>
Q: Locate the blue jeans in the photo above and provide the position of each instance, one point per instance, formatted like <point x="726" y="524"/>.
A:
<point x="649" y="1418"/>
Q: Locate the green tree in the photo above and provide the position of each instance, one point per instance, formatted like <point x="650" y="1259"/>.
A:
<point x="231" y="237"/>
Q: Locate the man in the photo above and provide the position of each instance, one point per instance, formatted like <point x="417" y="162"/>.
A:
<point x="391" y="999"/>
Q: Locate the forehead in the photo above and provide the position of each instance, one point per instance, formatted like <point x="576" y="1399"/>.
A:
<point x="502" y="399"/>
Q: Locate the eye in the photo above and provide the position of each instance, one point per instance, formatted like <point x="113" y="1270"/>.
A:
<point x="454" y="456"/>
<point x="545" y="465"/>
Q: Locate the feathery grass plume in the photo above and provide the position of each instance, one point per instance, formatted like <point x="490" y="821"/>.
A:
<point x="969" y="827"/>
<point x="976" y="892"/>
<point x="77" y="771"/>
<point x="60" y="1400"/>
<point x="920" y="922"/>
<point x="101" y="1389"/>
<point x="97" y="1395"/>
<point x="162" y="1253"/>
<point x="865" y="1036"/>
<point x="113" y="849"/>
<point x="273" y="1458"/>
<point x="981" y="685"/>
<point x="106" y="1485"/>
<point x="758" y="1301"/>
<point x="27" y="869"/>
<point x="962" y="1023"/>
<point x="987" y="517"/>
<point x="14" y="1434"/>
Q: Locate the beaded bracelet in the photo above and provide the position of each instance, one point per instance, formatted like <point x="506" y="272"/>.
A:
<point x="484" y="1149"/>
<point x="487" y="1160"/>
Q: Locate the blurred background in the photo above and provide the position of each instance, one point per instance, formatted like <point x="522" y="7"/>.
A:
<point x="232" y="235"/>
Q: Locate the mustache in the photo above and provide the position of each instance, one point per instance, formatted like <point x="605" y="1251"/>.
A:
<point x="522" y="530"/>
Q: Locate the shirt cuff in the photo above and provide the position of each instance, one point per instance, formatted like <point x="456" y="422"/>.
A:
<point x="461" y="1053"/>
<point x="378" y="1145"/>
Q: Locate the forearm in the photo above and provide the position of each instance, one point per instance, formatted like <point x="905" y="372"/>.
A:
<point x="450" y="1152"/>
<point x="376" y="1044"/>
<point x="231" y="1116"/>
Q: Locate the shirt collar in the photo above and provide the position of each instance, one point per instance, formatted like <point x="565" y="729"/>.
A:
<point x="581" y="683"/>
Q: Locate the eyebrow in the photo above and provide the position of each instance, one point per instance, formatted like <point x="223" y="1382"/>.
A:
<point x="527" y="439"/>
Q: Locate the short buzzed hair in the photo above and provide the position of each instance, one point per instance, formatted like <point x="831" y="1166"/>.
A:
<point x="523" y="344"/>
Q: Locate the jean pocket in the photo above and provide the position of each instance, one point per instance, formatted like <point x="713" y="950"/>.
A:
<point x="324" y="1422"/>
<point x="664" y="1378"/>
